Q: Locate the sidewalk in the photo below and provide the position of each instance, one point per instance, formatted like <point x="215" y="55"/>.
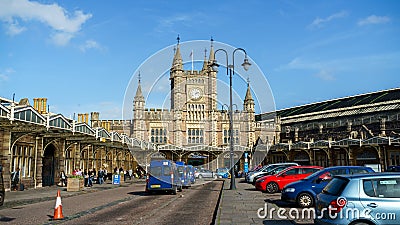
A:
<point x="241" y="206"/>
<point x="31" y="195"/>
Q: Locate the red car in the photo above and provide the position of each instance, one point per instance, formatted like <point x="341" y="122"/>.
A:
<point x="276" y="182"/>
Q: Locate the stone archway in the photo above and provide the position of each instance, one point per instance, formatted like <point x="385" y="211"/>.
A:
<point x="48" y="169"/>
<point x="302" y="158"/>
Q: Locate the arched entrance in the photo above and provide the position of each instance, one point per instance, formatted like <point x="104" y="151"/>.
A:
<point x="196" y="159"/>
<point x="48" y="169"/>
<point x="302" y="158"/>
<point x="276" y="157"/>
<point x="367" y="156"/>
<point x="320" y="158"/>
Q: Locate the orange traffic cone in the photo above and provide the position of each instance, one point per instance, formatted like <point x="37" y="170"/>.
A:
<point x="58" y="209"/>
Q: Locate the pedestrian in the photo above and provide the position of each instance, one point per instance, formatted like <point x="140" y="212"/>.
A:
<point x="90" y="180"/>
<point x="130" y="173"/>
<point x="100" y="176"/>
<point x="86" y="177"/>
<point x="63" y="179"/>
<point x="15" y="179"/>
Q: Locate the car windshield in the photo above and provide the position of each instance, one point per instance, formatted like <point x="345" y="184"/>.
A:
<point x="314" y="175"/>
<point x="277" y="170"/>
<point x="222" y="170"/>
<point x="336" y="186"/>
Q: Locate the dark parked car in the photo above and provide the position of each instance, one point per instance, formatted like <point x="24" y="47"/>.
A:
<point x="304" y="192"/>
<point x="393" y="169"/>
<point x="362" y="199"/>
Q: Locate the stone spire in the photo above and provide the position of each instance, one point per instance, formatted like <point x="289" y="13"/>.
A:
<point x="177" y="62"/>
<point x="205" y="63"/>
<point x="139" y="95"/>
<point x="212" y="54"/>
<point x="248" y="92"/>
<point x="248" y="103"/>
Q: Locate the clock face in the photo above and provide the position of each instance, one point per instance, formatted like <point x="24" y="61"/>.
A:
<point x="195" y="94"/>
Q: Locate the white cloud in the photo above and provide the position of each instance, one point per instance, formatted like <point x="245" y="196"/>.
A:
<point x="90" y="44"/>
<point x="61" y="38"/>
<point x="320" y="22"/>
<point x="3" y="77"/>
<point x="325" y="75"/>
<point x="373" y="20"/>
<point x="172" y="23"/>
<point x="13" y="28"/>
<point x="57" y="18"/>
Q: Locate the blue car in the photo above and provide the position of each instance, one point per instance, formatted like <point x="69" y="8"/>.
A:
<point x="304" y="192"/>
<point x="163" y="176"/>
<point x="223" y="173"/>
<point x="361" y="199"/>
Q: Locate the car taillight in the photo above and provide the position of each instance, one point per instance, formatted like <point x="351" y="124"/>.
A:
<point x="337" y="205"/>
<point x="147" y="179"/>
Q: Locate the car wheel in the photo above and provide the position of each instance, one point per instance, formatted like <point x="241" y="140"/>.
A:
<point x="305" y="200"/>
<point x="272" y="187"/>
<point x="200" y="176"/>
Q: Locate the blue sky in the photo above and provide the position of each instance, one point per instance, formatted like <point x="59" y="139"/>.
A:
<point x="81" y="55"/>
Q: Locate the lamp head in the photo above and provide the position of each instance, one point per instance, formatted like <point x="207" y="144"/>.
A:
<point x="246" y="64"/>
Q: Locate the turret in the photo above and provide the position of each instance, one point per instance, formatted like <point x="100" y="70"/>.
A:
<point x="138" y="113"/>
<point x="177" y="61"/>
<point x="248" y="104"/>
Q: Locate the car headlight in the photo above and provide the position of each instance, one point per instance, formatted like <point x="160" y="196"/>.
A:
<point x="260" y="181"/>
<point x="289" y="190"/>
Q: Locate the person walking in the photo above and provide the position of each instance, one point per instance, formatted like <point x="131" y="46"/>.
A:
<point x="100" y="176"/>
<point x="63" y="179"/>
<point x="15" y="179"/>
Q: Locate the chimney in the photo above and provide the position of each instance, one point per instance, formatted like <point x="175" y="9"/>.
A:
<point x="39" y="104"/>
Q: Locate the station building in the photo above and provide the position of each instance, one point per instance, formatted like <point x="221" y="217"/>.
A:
<point x="193" y="129"/>
<point x="356" y="130"/>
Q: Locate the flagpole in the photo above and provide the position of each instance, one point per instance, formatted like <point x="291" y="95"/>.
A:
<point x="192" y="61"/>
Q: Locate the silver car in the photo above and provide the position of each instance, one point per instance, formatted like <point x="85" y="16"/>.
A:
<point x="362" y="199"/>
<point x="204" y="173"/>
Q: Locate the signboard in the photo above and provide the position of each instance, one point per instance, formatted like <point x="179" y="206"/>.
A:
<point x="116" y="179"/>
<point x="246" y="167"/>
<point x="375" y="167"/>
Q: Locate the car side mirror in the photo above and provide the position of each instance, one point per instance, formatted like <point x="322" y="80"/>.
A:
<point x="283" y="175"/>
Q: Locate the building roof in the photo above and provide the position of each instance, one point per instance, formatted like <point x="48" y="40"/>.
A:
<point x="339" y="103"/>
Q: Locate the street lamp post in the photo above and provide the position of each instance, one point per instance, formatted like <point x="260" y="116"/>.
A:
<point x="230" y="70"/>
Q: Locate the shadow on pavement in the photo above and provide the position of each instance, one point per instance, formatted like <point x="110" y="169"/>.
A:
<point x="281" y="203"/>
<point x="251" y="189"/>
<point x="6" y="219"/>
<point x="138" y="193"/>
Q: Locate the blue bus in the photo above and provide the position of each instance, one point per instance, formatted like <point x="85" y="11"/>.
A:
<point x="163" y="176"/>
<point x="184" y="174"/>
<point x="191" y="174"/>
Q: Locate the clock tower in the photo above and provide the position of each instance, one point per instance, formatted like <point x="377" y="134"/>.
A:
<point x="194" y="98"/>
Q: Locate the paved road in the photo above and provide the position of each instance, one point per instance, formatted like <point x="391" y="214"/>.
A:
<point x="195" y="205"/>
<point x="123" y="205"/>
